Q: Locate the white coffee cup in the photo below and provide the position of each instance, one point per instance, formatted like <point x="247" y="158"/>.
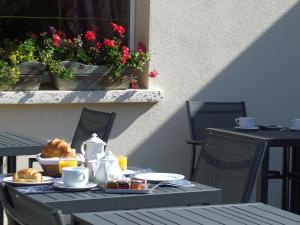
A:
<point x="245" y="122"/>
<point x="295" y="123"/>
<point x="75" y="176"/>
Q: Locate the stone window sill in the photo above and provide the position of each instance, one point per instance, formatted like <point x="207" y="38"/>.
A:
<point x="79" y="97"/>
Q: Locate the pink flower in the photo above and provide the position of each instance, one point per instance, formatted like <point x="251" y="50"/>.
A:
<point x="141" y="47"/>
<point x="90" y="36"/>
<point x="98" y="45"/>
<point x="134" y="84"/>
<point x="109" y="43"/>
<point x="119" y="29"/>
<point x="153" y="74"/>
<point x="56" y="40"/>
<point x="125" y="52"/>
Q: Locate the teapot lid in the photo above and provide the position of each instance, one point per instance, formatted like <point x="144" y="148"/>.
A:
<point x="109" y="157"/>
<point x="95" y="139"/>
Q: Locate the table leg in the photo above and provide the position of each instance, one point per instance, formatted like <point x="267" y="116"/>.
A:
<point x="11" y="164"/>
<point x="285" y="179"/>
<point x="262" y="185"/>
<point x="295" y="181"/>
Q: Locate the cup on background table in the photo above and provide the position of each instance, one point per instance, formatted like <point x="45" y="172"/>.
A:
<point x="66" y="162"/>
<point x="295" y="124"/>
<point x="122" y="162"/>
<point x="245" y="122"/>
<point x="75" y="176"/>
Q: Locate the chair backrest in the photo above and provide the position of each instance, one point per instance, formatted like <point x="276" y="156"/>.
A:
<point x="203" y="115"/>
<point x="21" y="209"/>
<point x="90" y="122"/>
<point x="231" y="163"/>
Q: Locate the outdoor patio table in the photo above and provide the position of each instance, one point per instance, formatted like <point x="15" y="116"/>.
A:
<point x="13" y="144"/>
<point x="97" y="200"/>
<point x="288" y="140"/>
<point x="256" y="213"/>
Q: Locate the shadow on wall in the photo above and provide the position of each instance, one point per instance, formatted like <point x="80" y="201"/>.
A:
<point x="266" y="75"/>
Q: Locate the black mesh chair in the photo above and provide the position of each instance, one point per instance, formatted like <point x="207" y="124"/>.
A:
<point x="202" y="115"/>
<point x="230" y="163"/>
<point x="90" y="122"/>
<point x="21" y="210"/>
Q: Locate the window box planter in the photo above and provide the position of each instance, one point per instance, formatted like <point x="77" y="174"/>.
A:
<point x="90" y="78"/>
<point x="32" y="74"/>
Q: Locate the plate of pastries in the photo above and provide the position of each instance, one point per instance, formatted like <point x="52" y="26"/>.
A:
<point x="28" y="176"/>
<point x="127" y="186"/>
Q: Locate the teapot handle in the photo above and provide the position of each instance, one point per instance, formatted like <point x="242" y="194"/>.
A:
<point x="82" y="147"/>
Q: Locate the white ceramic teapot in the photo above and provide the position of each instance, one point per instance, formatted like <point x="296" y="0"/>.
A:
<point x="91" y="147"/>
<point x="108" y="169"/>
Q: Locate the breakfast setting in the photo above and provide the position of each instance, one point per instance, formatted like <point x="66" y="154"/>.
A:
<point x="90" y="168"/>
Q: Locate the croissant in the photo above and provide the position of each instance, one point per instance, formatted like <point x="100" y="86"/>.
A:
<point x="57" y="148"/>
<point x="27" y="175"/>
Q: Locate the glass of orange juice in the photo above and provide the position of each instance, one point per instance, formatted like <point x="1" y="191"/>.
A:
<point x="66" y="162"/>
<point x="122" y="162"/>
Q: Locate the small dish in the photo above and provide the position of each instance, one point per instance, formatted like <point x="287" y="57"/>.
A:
<point x="46" y="180"/>
<point x="246" y="128"/>
<point x="147" y="190"/>
<point x="158" y="177"/>
<point x="59" y="184"/>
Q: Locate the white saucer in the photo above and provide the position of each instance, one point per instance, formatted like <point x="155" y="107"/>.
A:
<point x="246" y="128"/>
<point x="58" y="183"/>
<point x="158" y="177"/>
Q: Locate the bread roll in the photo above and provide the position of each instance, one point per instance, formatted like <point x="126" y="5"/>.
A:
<point x="57" y="148"/>
<point x="27" y="175"/>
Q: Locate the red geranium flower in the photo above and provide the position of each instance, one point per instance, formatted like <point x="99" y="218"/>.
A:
<point x="119" y="29"/>
<point x="125" y="53"/>
<point x="134" y="84"/>
<point x="32" y="35"/>
<point x="141" y="47"/>
<point x="98" y="45"/>
<point x="90" y="36"/>
<point x="109" y="43"/>
<point x="56" y="40"/>
<point x="153" y="73"/>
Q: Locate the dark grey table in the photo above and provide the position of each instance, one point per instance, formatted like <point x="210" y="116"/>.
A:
<point x="90" y="201"/>
<point x="290" y="142"/>
<point x="256" y="214"/>
<point x="14" y="144"/>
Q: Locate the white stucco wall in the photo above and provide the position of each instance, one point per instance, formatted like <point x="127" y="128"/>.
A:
<point x="204" y="50"/>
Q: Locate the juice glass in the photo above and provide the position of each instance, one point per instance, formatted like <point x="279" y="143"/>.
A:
<point x="66" y="162"/>
<point x="122" y="162"/>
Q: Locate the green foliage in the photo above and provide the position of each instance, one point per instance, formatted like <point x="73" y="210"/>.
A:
<point x="9" y="76"/>
<point x="25" y="52"/>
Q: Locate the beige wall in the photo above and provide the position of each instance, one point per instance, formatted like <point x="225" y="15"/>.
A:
<point x="204" y="50"/>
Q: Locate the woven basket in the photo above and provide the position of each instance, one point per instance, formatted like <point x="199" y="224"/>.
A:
<point x="50" y="165"/>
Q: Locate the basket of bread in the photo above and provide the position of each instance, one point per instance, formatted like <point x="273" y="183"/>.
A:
<point x="51" y="154"/>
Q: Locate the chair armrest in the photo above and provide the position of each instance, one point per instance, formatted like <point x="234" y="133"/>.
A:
<point x="194" y="142"/>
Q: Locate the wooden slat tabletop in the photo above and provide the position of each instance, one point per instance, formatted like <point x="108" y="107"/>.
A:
<point x="89" y="201"/>
<point x="13" y="144"/>
<point x="246" y="214"/>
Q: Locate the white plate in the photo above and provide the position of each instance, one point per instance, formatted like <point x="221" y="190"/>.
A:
<point x="59" y="184"/>
<point x="46" y="180"/>
<point x="128" y="172"/>
<point x="294" y="128"/>
<point x="244" y="128"/>
<point x="158" y="177"/>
